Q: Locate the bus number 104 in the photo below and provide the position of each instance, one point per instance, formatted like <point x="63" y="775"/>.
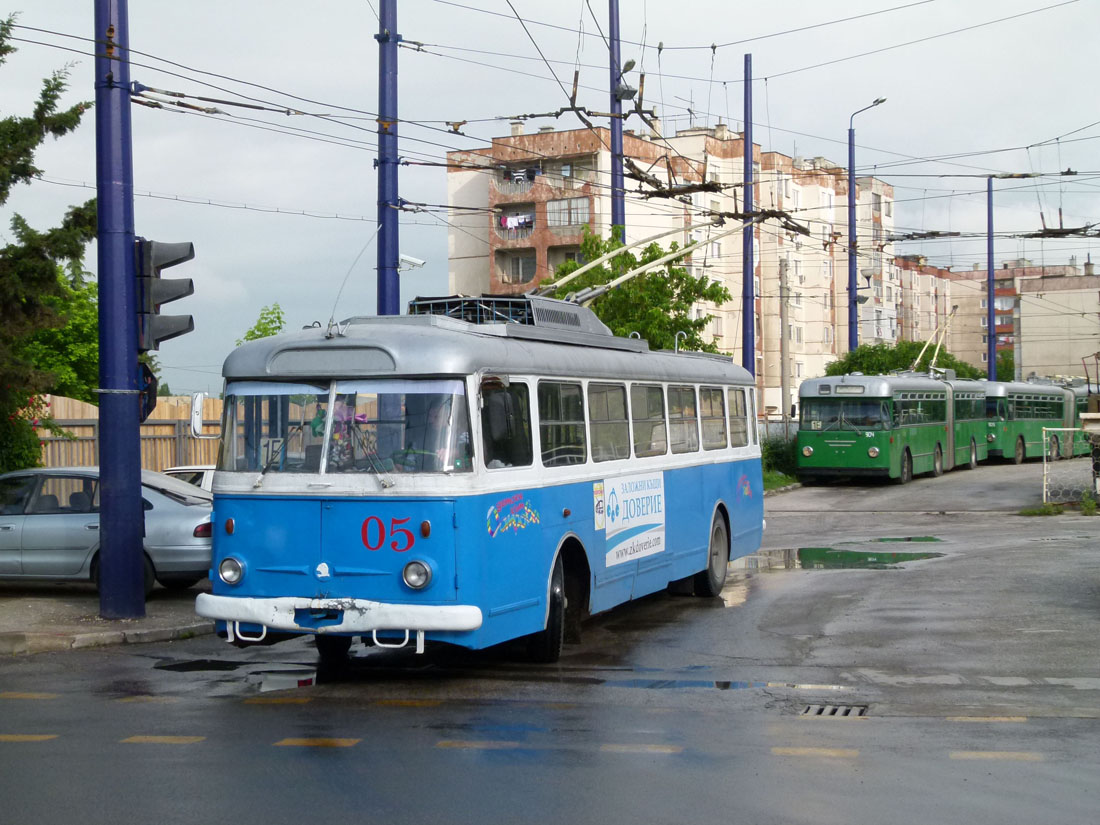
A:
<point x="374" y="534"/>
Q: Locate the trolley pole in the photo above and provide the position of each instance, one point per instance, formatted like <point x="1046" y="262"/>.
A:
<point x="121" y="519"/>
<point x="618" y="188"/>
<point x="389" y="291"/>
<point x="748" y="269"/>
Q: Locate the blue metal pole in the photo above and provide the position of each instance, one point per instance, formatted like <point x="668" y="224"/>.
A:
<point x="991" y="318"/>
<point x="853" y="304"/>
<point x="748" y="271"/>
<point x="618" y="189"/>
<point x="389" y="290"/>
<point x="121" y="519"/>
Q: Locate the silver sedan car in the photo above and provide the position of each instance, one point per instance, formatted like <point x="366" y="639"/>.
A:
<point x="49" y="527"/>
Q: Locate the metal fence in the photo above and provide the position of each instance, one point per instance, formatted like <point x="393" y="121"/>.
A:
<point x="166" y="439"/>
<point x="1066" y="480"/>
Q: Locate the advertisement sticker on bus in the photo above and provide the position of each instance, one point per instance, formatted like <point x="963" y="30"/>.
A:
<point x="598" y="505"/>
<point x="634" y="512"/>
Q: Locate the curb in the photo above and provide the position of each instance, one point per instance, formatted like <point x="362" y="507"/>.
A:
<point x="16" y="644"/>
<point x="779" y="490"/>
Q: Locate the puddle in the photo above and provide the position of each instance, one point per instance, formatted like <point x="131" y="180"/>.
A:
<point x="910" y="538"/>
<point x="196" y="665"/>
<point x="667" y="684"/>
<point x="830" y="558"/>
<point x="283" y="679"/>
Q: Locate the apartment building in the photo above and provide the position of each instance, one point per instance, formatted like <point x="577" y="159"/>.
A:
<point x="520" y="207"/>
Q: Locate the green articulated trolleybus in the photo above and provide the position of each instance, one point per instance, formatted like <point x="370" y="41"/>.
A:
<point x="898" y="426"/>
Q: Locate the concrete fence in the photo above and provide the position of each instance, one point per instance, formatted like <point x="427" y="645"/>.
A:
<point x="166" y="439"/>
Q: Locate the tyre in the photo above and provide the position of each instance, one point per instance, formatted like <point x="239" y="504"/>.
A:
<point x="170" y="583"/>
<point x="1055" y="449"/>
<point x="1020" y="453"/>
<point x="906" y="468"/>
<point x="545" y="646"/>
<point x="709" y="582"/>
<point x="973" y="462"/>
<point x="332" y="650"/>
<point x="937" y="462"/>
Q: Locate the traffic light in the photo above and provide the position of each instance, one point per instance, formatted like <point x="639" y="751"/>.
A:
<point x="148" y="391"/>
<point x="150" y="257"/>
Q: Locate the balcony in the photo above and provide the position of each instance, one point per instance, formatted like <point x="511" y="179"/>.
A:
<point x="515" y="223"/>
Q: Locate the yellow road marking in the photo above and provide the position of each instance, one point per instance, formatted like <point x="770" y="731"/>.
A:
<point x="14" y="695"/>
<point x="162" y="740"/>
<point x="986" y="718"/>
<point x="1007" y="756"/>
<point x="277" y="700"/>
<point x="26" y="737"/>
<point x="318" y="743"/>
<point x="641" y="749"/>
<point x="832" y="753"/>
<point x="164" y="700"/>
<point x="410" y="703"/>
<point x="485" y="745"/>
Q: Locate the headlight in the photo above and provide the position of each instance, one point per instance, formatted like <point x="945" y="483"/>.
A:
<point x="417" y="575"/>
<point x="991" y="437"/>
<point x="873" y="452"/>
<point x="230" y="570"/>
<point x="807" y="451"/>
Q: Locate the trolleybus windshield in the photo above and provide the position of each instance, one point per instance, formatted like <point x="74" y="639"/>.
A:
<point x="845" y="414"/>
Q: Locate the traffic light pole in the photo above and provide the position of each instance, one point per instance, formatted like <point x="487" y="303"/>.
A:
<point x="121" y="519"/>
<point x="389" y="291"/>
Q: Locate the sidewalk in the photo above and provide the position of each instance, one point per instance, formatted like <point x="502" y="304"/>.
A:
<point x="36" y="617"/>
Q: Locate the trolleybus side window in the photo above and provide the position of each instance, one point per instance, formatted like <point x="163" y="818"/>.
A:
<point x="647" y="410"/>
<point x="683" y="423"/>
<point x="607" y="412"/>
<point x="714" y="418"/>
<point x="561" y="424"/>
<point x="739" y="418"/>
<point x="506" y="424"/>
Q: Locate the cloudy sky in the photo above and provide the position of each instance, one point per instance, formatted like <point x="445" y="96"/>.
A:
<point x="280" y="206"/>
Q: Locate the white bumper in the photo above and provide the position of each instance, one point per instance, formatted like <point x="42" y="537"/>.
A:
<point x="358" y="615"/>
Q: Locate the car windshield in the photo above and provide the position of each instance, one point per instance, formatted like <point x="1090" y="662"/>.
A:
<point x="845" y="414"/>
<point x="378" y="426"/>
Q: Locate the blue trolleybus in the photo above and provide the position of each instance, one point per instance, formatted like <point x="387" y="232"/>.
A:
<point x="480" y="470"/>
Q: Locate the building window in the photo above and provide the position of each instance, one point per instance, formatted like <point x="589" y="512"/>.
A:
<point x="985" y="322"/>
<point x="985" y="338"/>
<point x="567" y="212"/>
<point x="985" y="357"/>
<point x="985" y="303"/>
<point x="519" y="269"/>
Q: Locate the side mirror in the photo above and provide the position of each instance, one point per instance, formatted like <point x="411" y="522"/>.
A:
<point x="197" y="399"/>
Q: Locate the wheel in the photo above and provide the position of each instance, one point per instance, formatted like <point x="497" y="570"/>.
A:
<point x="906" y="468"/>
<point x="1018" y="456"/>
<point x="1055" y="449"/>
<point x="179" y="583"/>
<point x="333" y="650"/>
<point x="970" y="465"/>
<point x="709" y="582"/>
<point x="545" y="646"/>
<point x="937" y="462"/>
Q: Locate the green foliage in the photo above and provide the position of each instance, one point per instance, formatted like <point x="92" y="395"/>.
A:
<point x="881" y="359"/>
<point x="655" y="304"/>
<point x="69" y="353"/>
<point x="1088" y="505"/>
<point x="773" y="480"/>
<point x="1046" y="509"/>
<point x="1006" y="365"/>
<point x="271" y="322"/>
<point x="31" y="293"/>
<point x="780" y="454"/>
<point x="163" y="390"/>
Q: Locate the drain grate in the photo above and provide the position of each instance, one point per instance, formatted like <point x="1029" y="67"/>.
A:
<point x="835" y="711"/>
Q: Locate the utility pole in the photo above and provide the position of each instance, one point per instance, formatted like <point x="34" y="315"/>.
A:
<point x="991" y="322"/>
<point x="748" y="264"/>
<point x="618" y="187"/>
<point x="121" y="519"/>
<point x="389" y="290"/>
<point x="784" y="344"/>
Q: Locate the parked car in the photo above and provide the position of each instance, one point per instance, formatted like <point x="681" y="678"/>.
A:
<point x="49" y="527"/>
<point x="201" y="475"/>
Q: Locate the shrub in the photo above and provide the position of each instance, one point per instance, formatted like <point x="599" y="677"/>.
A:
<point x="19" y="445"/>
<point x="1088" y="505"/>
<point x="780" y="454"/>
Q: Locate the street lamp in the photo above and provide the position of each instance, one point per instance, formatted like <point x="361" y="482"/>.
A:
<point x="853" y="305"/>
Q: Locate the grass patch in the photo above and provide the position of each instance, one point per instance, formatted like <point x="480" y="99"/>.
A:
<point x="1047" y="509"/>
<point x="773" y="480"/>
<point x="1088" y="506"/>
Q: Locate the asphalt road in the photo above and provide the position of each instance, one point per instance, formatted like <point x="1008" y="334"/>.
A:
<point x="962" y="687"/>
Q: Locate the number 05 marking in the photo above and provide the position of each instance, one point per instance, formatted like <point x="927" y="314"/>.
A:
<point x="374" y="534"/>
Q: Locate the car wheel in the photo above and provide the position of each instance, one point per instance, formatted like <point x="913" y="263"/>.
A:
<point x="333" y="650"/>
<point x="545" y="646"/>
<point x="169" y="583"/>
<point x="1018" y="455"/>
<point x="906" y="474"/>
<point x="709" y="582"/>
<point x="937" y="462"/>
<point x="973" y="455"/>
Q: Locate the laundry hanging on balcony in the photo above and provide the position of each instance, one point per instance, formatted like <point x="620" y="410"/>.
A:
<point x="517" y="221"/>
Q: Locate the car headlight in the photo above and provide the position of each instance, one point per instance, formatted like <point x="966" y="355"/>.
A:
<point x="417" y="575"/>
<point x="807" y="451"/>
<point x="873" y="452"/>
<point x="230" y="570"/>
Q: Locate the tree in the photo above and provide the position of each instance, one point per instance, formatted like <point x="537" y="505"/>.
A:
<point x="30" y="288"/>
<point x="271" y="322"/>
<point x="880" y="359"/>
<point x="1006" y="365"/>
<point x="655" y="304"/>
